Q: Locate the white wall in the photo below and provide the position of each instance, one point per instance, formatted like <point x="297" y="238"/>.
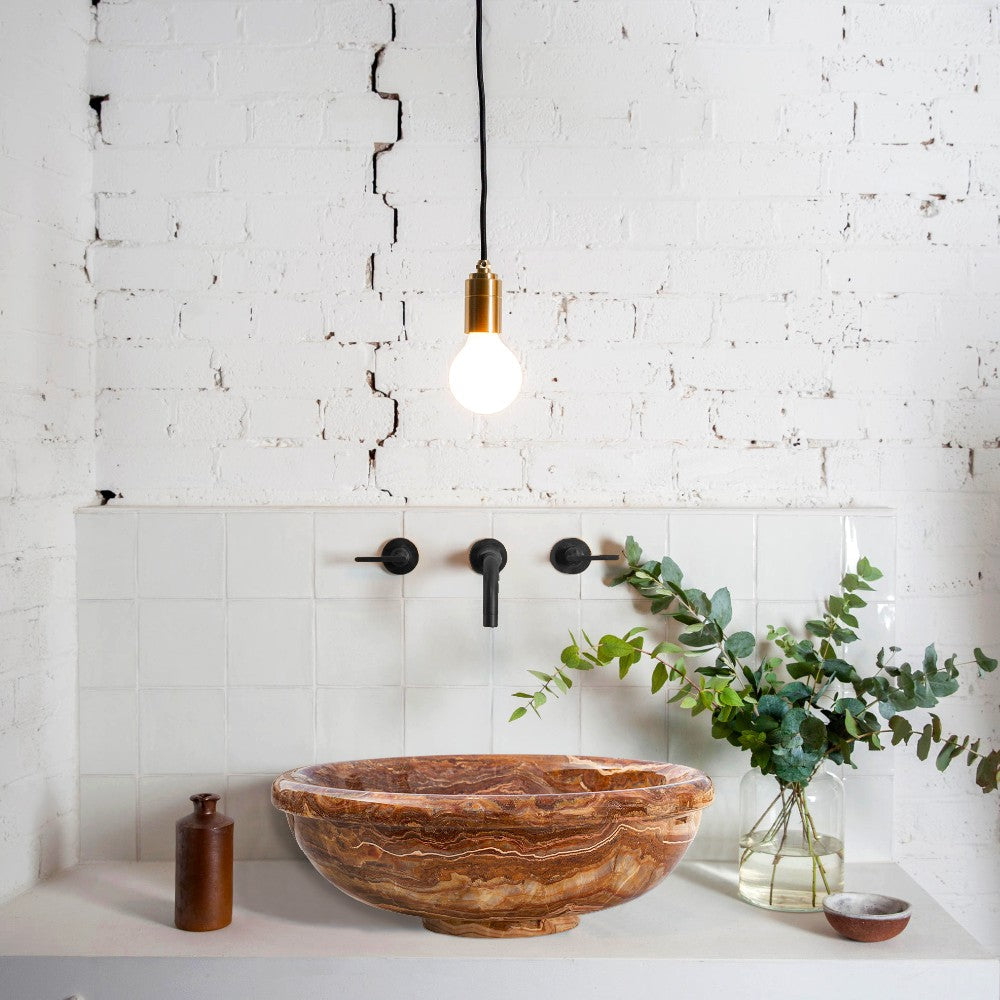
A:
<point x="751" y="253"/>
<point x="46" y="422"/>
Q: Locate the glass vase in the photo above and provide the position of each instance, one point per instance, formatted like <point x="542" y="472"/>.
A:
<point x="791" y="841"/>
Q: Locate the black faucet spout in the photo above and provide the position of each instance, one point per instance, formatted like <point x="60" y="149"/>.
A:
<point x="488" y="557"/>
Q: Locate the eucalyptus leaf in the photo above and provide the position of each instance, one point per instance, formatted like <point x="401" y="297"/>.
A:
<point x="613" y="647"/>
<point x="740" y="644"/>
<point x="983" y="661"/>
<point x="698" y="602"/>
<point x="813" y="733"/>
<point x="659" y="677"/>
<point x="722" y="607"/>
<point x="670" y="572"/>
<point x="633" y="553"/>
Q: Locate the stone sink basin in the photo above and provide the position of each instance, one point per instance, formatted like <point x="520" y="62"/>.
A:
<point x="494" y="846"/>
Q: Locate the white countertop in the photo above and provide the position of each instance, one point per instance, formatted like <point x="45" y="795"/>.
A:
<point x="104" y="931"/>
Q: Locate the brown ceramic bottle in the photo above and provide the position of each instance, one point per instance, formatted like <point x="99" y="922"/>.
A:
<point x="203" y="893"/>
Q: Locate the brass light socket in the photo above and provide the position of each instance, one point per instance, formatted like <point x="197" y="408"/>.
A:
<point x="482" y="300"/>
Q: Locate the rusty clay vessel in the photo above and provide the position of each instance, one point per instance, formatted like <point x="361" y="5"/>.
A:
<point x="494" y="846"/>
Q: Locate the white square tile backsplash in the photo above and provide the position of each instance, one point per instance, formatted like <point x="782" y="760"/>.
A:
<point x="270" y="554"/>
<point x="108" y="642"/>
<point x="182" y="730"/>
<point x="270" y="642"/>
<point x="182" y="643"/>
<point x="220" y="647"/>
<point x="181" y="554"/>
<point x="359" y="642"/>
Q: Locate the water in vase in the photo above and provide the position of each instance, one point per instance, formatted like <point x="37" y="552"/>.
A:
<point x="793" y="879"/>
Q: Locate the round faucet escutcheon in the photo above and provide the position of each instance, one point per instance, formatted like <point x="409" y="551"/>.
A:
<point x="573" y="555"/>
<point x="398" y="556"/>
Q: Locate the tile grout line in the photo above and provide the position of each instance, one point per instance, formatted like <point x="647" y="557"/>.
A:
<point x="668" y="530"/>
<point x="225" y="665"/>
<point x="138" y="695"/>
<point x="313" y="644"/>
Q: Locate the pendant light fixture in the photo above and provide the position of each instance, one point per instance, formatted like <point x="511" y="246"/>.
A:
<point x="485" y="376"/>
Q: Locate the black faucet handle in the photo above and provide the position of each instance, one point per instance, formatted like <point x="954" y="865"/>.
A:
<point x="487" y="557"/>
<point x="573" y="555"/>
<point x="398" y="556"/>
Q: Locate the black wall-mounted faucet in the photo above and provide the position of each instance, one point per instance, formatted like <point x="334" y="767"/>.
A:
<point x="487" y="557"/>
<point x="398" y="556"/>
<point x="573" y="555"/>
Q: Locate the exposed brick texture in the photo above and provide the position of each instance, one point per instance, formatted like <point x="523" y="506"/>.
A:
<point x="46" y="423"/>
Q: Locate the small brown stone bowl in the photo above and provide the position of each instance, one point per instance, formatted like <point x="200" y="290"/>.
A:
<point x="494" y="846"/>
<point x="866" y="916"/>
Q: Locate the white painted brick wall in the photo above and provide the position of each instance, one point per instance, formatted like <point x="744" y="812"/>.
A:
<point x="751" y="254"/>
<point x="46" y="423"/>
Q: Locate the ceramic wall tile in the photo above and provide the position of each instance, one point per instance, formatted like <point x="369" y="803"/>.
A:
<point x="164" y="799"/>
<point x="448" y="720"/>
<point x="105" y="555"/>
<point x="107" y="818"/>
<point x="555" y="730"/>
<point x="260" y="832"/>
<point x="353" y="723"/>
<point x="181" y="554"/>
<point x="528" y="537"/>
<point x="182" y="643"/>
<point x="719" y="833"/>
<point x="877" y="629"/>
<point x="107" y="731"/>
<point x="444" y="539"/>
<point x="340" y="536"/>
<point x="445" y="643"/>
<point x="799" y="556"/>
<point x="792" y="615"/>
<point x="359" y="642"/>
<point x="873" y="536"/>
<point x="269" y="554"/>
<point x="304" y="655"/>
<point x="868" y="800"/>
<point x="623" y="722"/>
<point x="107" y="637"/>
<point x="270" y="642"/>
<point x="715" y="550"/>
<point x="182" y="731"/>
<point x="256" y="744"/>
<point x="605" y="532"/>
<point x="531" y="636"/>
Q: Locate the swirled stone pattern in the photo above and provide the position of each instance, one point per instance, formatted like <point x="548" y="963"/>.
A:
<point x="494" y="846"/>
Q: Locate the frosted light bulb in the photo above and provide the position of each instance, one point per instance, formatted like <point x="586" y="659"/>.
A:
<point x="485" y="376"/>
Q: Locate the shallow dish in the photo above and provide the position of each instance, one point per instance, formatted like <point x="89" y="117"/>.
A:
<point x="494" y="846"/>
<point x="866" y="916"/>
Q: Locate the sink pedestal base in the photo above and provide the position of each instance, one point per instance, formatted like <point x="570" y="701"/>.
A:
<point x="500" y="928"/>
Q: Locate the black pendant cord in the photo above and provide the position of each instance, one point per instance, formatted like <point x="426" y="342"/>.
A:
<point x="482" y="130"/>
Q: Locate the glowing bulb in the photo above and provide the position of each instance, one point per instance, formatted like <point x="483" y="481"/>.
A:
<point x="485" y="376"/>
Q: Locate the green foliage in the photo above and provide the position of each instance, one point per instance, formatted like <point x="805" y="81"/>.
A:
<point x="789" y="727"/>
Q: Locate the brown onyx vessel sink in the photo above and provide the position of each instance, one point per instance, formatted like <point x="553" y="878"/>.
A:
<point x="494" y="846"/>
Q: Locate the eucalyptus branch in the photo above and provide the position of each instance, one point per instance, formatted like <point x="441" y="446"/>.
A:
<point x="788" y="728"/>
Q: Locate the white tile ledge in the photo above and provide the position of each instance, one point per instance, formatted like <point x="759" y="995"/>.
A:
<point x="491" y="508"/>
<point x="105" y="930"/>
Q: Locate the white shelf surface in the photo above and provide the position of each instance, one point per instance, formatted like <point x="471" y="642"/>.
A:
<point x="105" y="931"/>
